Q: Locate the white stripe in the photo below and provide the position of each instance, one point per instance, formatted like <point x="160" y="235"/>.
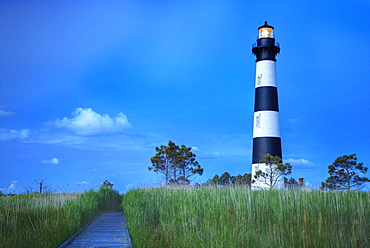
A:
<point x="265" y="73"/>
<point x="266" y="124"/>
<point x="257" y="167"/>
<point x="259" y="183"/>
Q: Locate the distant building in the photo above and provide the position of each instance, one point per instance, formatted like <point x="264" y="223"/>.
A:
<point x="298" y="186"/>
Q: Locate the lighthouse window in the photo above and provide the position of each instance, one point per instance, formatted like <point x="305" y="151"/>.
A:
<point x="259" y="79"/>
<point x="258" y="121"/>
<point x="266" y="32"/>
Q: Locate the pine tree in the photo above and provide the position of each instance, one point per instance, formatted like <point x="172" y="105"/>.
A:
<point x="176" y="164"/>
<point x="345" y="174"/>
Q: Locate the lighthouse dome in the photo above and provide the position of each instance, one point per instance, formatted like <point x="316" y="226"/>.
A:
<point x="266" y="31"/>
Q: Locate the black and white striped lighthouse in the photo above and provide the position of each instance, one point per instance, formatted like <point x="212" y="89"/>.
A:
<point x="266" y="128"/>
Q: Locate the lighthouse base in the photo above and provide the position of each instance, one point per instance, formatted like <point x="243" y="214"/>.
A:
<point x="263" y="183"/>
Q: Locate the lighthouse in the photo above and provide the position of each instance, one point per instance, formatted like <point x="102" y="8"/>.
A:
<point x="266" y="128"/>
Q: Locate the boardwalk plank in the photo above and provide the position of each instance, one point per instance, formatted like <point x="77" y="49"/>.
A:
<point x="107" y="230"/>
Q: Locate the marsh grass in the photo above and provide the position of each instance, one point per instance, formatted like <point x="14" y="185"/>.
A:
<point x="47" y="220"/>
<point x="238" y="217"/>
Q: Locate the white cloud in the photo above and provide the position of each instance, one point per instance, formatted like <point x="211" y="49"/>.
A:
<point x="51" y="161"/>
<point x="13" y="188"/>
<point x="6" y="134"/>
<point x="83" y="182"/>
<point x="205" y="154"/>
<point x="13" y="185"/>
<point x="6" y="113"/>
<point x="87" y="122"/>
<point x="300" y="163"/>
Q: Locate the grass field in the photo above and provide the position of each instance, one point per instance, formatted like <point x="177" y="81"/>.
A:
<point x="192" y="217"/>
<point x="238" y="217"/>
<point x="47" y="220"/>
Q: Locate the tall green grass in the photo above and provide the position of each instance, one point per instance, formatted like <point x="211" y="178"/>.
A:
<point x="238" y="217"/>
<point x="47" y="220"/>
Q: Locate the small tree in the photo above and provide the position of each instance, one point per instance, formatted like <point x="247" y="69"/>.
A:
<point x="177" y="164"/>
<point x="40" y="184"/>
<point x="240" y="180"/>
<point x="162" y="161"/>
<point x="225" y="179"/>
<point x="274" y="170"/>
<point x="345" y="174"/>
<point x="215" y="181"/>
<point x="187" y="165"/>
<point x="290" y="181"/>
<point x="106" y="184"/>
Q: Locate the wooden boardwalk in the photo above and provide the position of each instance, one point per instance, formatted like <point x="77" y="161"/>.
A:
<point x="107" y="230"/>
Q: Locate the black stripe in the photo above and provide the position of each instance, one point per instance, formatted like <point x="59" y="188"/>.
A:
<point x="266" y="53"/>
<point x="266" y="98"/>
<point x="264" y="145"/>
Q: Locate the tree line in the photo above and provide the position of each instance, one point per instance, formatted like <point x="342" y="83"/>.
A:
<point x="178" y="166"/>
<point x="227" y="180"/>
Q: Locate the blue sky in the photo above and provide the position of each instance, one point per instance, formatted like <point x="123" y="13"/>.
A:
<point x="88" y="89"/>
